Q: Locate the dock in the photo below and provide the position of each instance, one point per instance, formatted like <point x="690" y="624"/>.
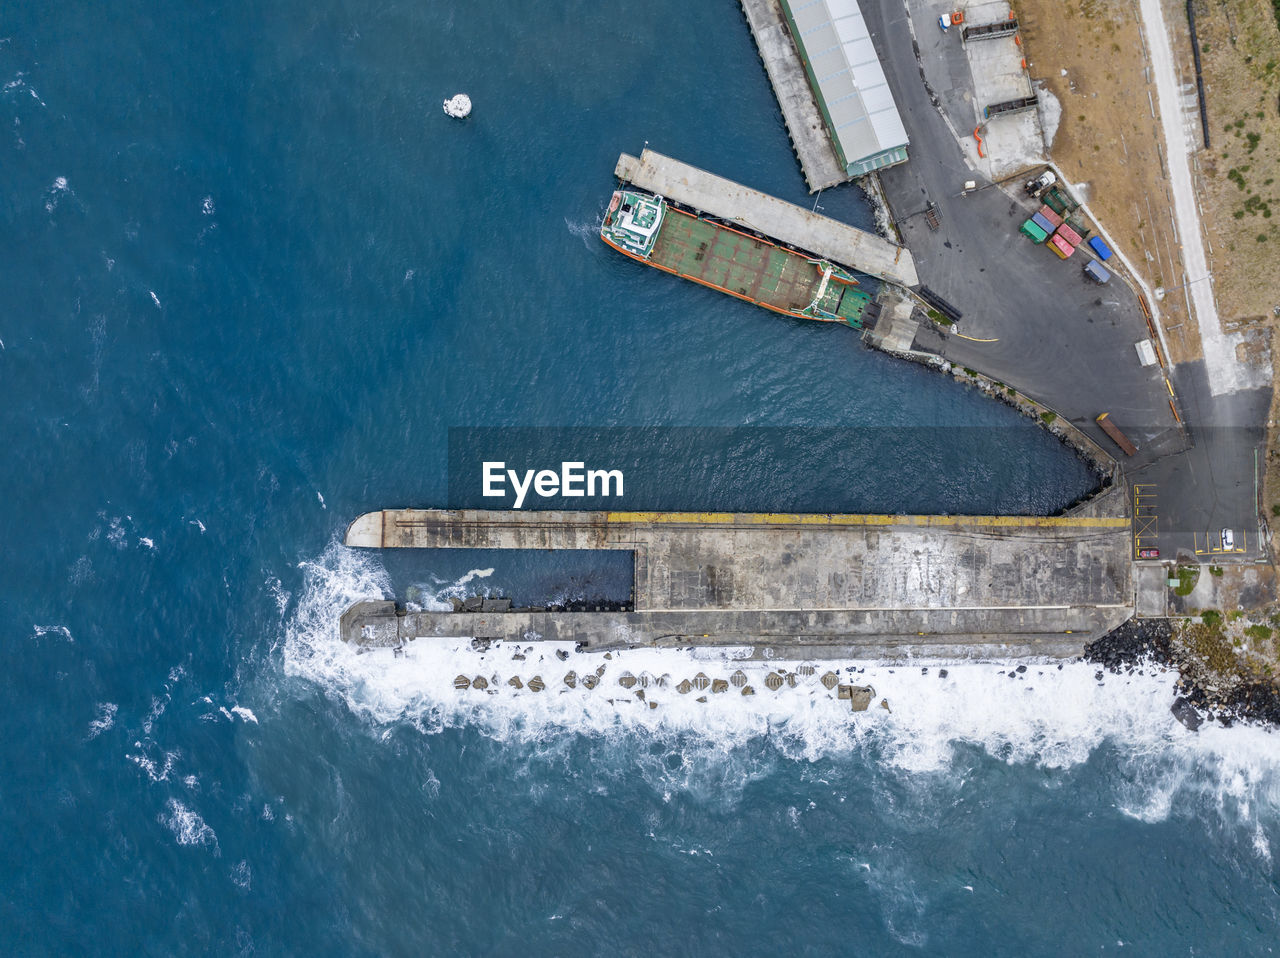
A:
<point x="769" y="216"/>
<point x="809" y="138"/>
<point x="866" y="586"/>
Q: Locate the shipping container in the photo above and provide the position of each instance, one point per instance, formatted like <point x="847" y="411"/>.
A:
<point x="1070" y="235"/>
<point x="1043" y="222"/>
<point x="1060" y="246"/>
<point x="1047" y="212"/>
<point x="1119" y="438"/>
<point x="1101" y="248"/>
<point x="1097" y="272"/>
<point x="1029" y="228"/>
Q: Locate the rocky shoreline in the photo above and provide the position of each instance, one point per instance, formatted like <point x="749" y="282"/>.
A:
<point x="1202" y="695"/>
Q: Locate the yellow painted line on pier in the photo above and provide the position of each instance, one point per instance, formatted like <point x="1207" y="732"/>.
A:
<point x="974" y="339"/>
<point x="832" y="519"/>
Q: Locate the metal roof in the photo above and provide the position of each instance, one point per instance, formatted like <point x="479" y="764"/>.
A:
<point x="851" y="87"/>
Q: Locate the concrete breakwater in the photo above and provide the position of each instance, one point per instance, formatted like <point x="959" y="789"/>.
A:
<point x="813" y="585"/>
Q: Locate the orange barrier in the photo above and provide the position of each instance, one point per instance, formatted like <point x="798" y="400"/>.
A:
<point x="957" y="18"/>
<point x="981" y="155"/>
<point x="1176" y="417"/>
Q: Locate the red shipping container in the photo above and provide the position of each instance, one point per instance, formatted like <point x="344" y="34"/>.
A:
<point x="1068" y="234"/>
<point x="1060" y="246"/>
<point x="1048" y="213"/>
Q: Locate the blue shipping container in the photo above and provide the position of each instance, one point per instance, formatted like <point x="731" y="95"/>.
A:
<point x="1101" y="248"/>
<point x="1041" y="222"/>
<point x="1096" y="272"/>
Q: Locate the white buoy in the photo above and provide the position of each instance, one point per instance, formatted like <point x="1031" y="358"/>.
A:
<point x="458" y="106"/>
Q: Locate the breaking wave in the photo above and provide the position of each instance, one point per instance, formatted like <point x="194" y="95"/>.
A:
<point x="1050" y="715"/>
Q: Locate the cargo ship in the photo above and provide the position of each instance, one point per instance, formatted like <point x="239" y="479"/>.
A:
<point x="656" y="232"/>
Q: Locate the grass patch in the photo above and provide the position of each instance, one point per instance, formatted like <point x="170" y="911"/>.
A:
<point x="1188" y="576"/>
<point x="1215" y="570"/>
<point x="1212" y="648"/>
<point x="1260" y="632"/>
<point x="1048" y="417"/>
<point x="1210" y="617"/>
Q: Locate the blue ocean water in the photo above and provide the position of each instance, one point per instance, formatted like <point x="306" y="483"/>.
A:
<point x="252" y="278"/>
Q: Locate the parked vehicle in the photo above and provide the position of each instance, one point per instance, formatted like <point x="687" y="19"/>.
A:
<point x="1228" y="541"/>
<point x="1149" y="554"/>
<point x="1097" y="272"/>
<point x="1041" y="182"/>
<point x="1101" y="248"/>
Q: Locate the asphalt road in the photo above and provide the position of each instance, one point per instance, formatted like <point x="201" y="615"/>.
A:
<point x="1035" y="322"/>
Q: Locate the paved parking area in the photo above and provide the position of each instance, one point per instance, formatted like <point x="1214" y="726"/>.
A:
<point x="1036" y="323"/>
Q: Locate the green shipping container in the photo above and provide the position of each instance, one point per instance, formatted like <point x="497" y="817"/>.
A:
<point x="1029" y="228"/>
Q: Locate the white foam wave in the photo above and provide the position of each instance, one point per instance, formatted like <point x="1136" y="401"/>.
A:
<point x="1048" y="716"/>
<point x="187" y="826"/>
<point x="587" y="231"/>
<point x="105" y="720"/>
<point x="60" y="630"/>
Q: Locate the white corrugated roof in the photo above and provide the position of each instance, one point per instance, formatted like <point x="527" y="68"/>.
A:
<point x="850" y="79"/>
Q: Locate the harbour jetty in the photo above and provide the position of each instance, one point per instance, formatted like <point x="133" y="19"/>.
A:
<point x="792" y="225"/>
<point x="814" y="585"/>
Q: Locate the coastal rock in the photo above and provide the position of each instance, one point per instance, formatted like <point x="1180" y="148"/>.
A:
<point x="496" y="605"/>
<point x="480" y="645"/>
<point x="536" y="684"/>
<point x="719" y="685"/>
<point x="571" y="679"/>
<point x="515" y="682"/>
<point x="562" y="655"/>
<point x="473" y="603"/>
<point x="1186" y="713"/>
<point x="462" y="682"/>
<point x="480" y="682"/>
<point x="738" y="679"/>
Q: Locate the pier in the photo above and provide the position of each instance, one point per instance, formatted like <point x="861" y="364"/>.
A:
<point x="769" y="216"/>
<point x="822" y="168"/>
<point x="866" y="586"/>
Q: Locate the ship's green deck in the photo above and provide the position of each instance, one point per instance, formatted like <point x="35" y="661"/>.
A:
<point x="766" y="274"/>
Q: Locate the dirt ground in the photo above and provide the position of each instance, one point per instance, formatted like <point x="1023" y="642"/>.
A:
<point x="1091" y="55"/>
<point x="1239" y="175"/>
